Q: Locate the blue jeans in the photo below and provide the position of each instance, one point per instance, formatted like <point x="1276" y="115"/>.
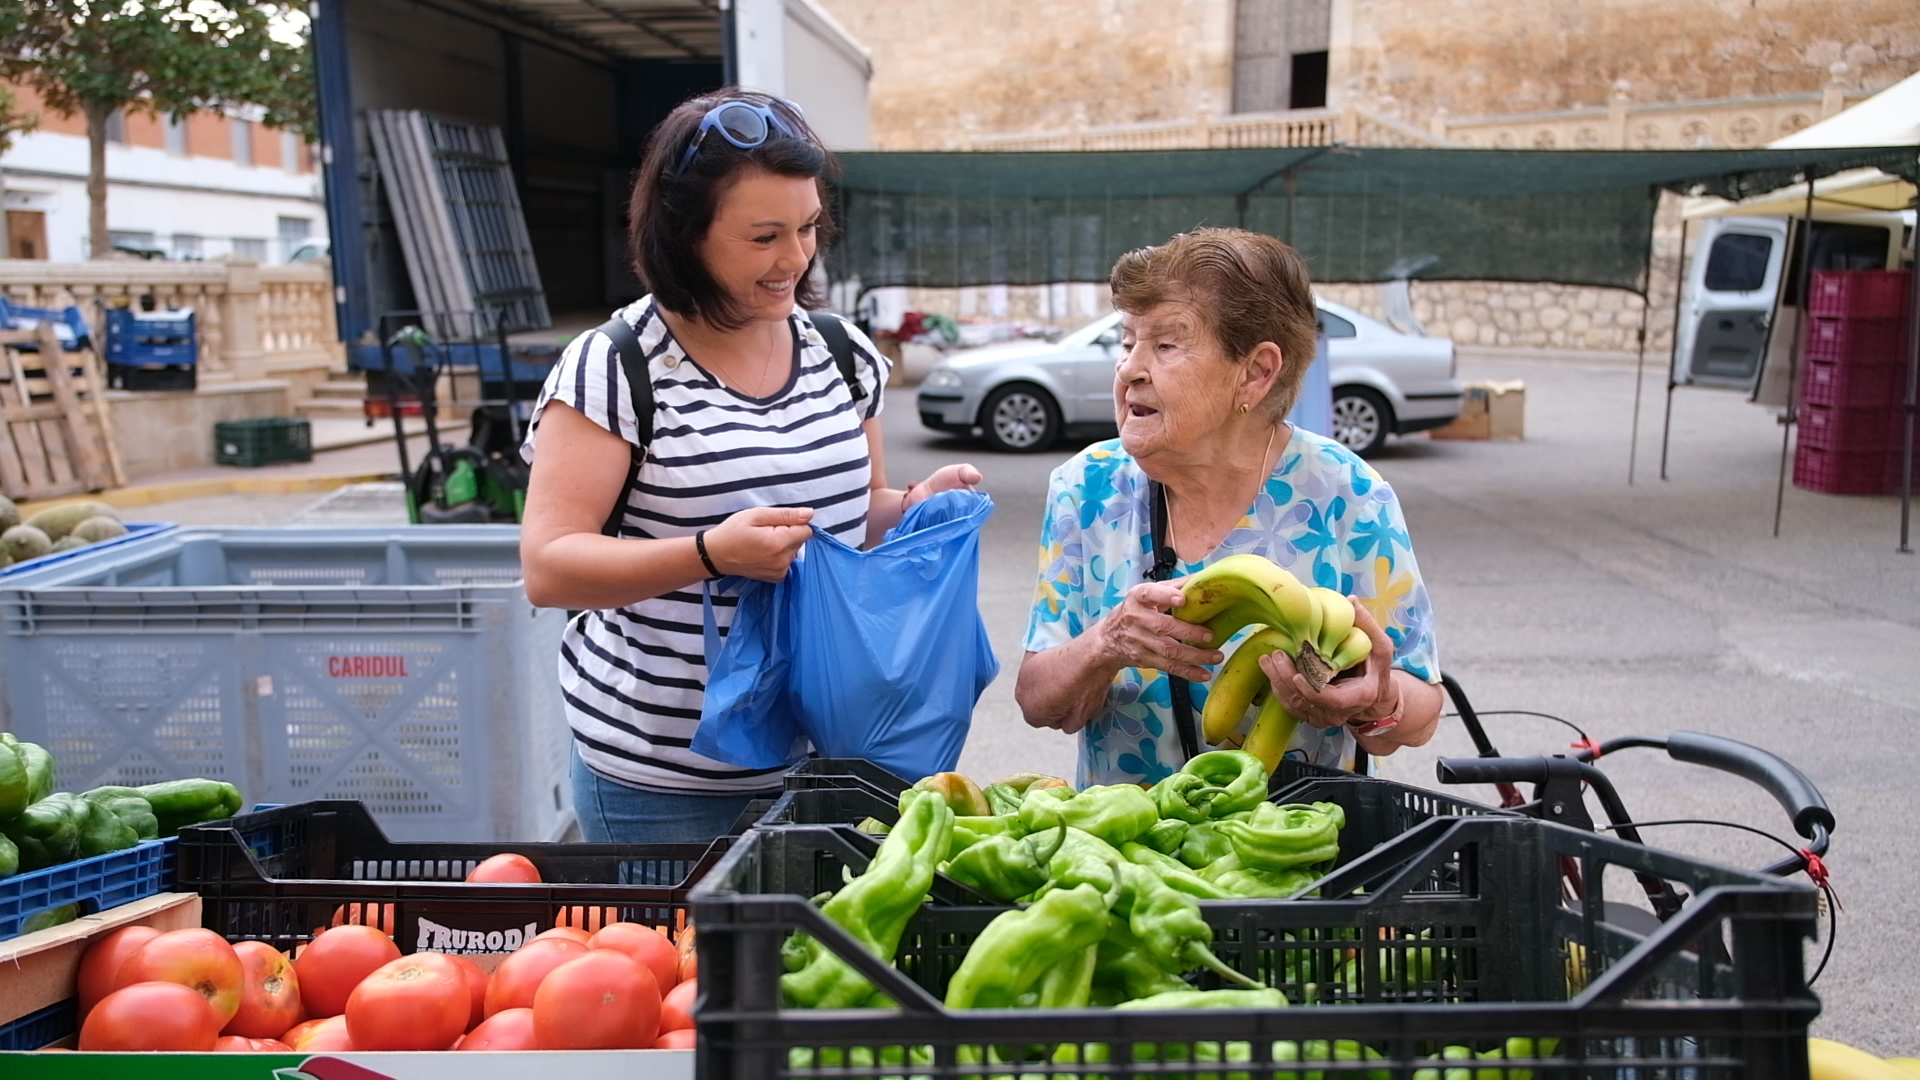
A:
<point x="612" y="812"/>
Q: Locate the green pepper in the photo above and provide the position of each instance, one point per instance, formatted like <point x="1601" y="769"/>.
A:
<point x="129" y="806"/>
<point x="876" y="906"/>
<point x="1170" y="927"/>
<point x="1183" y="796"/>
<point x="1283" y="837"/>
<point x="1125" y="970"/>
<point x="1205" y="845"/>
<point x="1262" y="998"/>
<point x="14" y="789"/>
<point x="1001" y="799"/>
<point x="1321" y="1050"/>
<point x="968" y="831"/>
<point x="102" y="832"/>
<point x="1175" y="873"/>
<point x="39" y="770"/>
<point x="1244" y="882"/>
<point x="1241" y="774"/>
<point x="963" y="796"/>
<point x="1007" y="867"/>
<point x="1115" y="813"/>
<point x="1068" y="984"/>
<point x="48" y="832"/>
<point x="9" y="857"/>
<point x="1084" y="859"/>
<point x="1166" y="836"/>
<point x="1019" y="946"/>
<point x="53" y="916"/>
<point x="179" y="803"/>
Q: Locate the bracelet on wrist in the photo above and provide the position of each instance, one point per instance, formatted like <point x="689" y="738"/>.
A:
<point x="700" y="545"/>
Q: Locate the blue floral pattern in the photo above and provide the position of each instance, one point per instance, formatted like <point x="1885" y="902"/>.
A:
<point x="1324" y="514"/>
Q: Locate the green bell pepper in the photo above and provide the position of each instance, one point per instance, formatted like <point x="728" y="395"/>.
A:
<point x="14" y="788"/>
<point x="9" y="857"/>
<point x="102" y="832"/>
<point x="48" y="832"/>
<point x="1115" y="813"/>
<point x="1240" y="773"/>
<point x="129" y="806"/>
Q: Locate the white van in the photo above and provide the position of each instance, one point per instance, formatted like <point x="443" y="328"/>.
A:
<point x="1728" y="334"/>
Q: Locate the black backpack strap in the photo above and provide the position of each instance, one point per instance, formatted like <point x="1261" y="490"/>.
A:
<point x="1165" y="562"/>
<point x="840" y="343"/>
<point x="633" y="363"/>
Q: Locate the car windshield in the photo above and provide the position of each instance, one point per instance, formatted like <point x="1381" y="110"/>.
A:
<point x="1085" y="336"/>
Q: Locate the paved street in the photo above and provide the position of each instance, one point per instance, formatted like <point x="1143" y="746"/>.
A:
<point x="1558" y="588"/>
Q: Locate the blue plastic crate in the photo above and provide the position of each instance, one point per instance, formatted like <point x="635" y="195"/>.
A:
<point x="42" y="1028"/>
<point x="96" y="884"/>
<point x="69" y="325"/>
<point x="136" y="532"/>
<point x="137" y="338"/>
<point x="403" y="667"/>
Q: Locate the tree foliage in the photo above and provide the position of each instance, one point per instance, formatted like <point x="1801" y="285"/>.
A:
<point x="12" y="120"/>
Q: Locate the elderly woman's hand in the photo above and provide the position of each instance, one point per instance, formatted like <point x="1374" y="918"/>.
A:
<point x="1141" y="634"/>
<point x="1359" y="697"/>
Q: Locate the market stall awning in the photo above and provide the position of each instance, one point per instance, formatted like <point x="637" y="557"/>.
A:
<point x="1853" y="191"/>
<point x="1356" y="213"/>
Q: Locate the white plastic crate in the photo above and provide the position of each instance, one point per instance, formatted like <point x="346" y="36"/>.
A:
<point x="399" y="666"/>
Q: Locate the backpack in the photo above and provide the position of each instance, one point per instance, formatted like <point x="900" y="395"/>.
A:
<point x="633" y="362"/>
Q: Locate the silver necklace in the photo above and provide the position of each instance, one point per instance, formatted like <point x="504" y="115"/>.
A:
<point x="1266" y="470"/>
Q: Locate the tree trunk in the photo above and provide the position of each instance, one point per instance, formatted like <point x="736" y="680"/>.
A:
<point x="99" y="243"/>
<point x="6" y="239"/>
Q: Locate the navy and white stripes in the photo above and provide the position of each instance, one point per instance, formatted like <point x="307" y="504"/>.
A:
<point x="633" y="678"/>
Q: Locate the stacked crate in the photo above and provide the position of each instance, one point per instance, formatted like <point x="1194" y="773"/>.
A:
<point x="1853" y="384"/>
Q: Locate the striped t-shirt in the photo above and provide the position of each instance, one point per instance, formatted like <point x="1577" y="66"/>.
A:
<point x="633" y="677"/>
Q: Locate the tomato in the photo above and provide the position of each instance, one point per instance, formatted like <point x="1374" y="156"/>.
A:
<point x="380" y="918"/>
<point x="239" y="1044"/>
<point x="334" y="963"/>
<point x="195" y="958"/>
<point x="519" y="975"/>
<point x="476" y="988"/>
<point x="508" y="1029"/>
<point x="676" y="1008"/>
<point x="605" y="1000"/>
<point x="645" y="944"/>
<point x="328" y="1036"/>
<point x="677" y="1039"/>
<point x="569" y="932"/>
<point x="100" y="968"/>
<point x="294" y="1034"/>
<point x="269" y="996"/>
<point x="151" y="1016"/>
<point x="418" y="1002"/>
<point x="506" y="868"/>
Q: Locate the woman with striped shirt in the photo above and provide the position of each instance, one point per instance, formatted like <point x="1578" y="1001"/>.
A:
<point x="756" y="439"/>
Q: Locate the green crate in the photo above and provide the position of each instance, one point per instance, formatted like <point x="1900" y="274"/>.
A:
<point x="252" y="443"/>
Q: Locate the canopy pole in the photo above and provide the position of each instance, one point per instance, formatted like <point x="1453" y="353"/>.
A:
<point x="1673" y="352"/>
<point x="1913" y="390"/>
<point x="1793" y="354"/>
<point x="1646" y="305"/>
<point x="1293" y="190"/>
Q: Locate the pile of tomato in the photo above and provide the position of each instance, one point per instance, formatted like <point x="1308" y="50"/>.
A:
<point x="623" y="987"/>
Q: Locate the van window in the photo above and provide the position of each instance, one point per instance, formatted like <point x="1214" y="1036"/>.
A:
<point x="1334" y="326"/>
<point x="1836" y="247"/>
<point x="1738" y="262"/>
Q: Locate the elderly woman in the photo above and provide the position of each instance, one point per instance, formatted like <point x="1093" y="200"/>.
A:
<point x="1218" y="330"/>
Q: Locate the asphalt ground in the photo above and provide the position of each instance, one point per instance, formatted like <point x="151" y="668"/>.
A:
<point x="1557" y="587"/>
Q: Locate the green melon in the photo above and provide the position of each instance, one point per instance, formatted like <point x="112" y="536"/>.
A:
<point x="95" y="529"/>
<point x="69" y="542"/>
<point x="60" y="520"/>
<point x="9" y="514"/>
<point x="25" y="542"/>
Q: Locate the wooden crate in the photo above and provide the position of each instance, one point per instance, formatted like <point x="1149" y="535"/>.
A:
<point x="56" y="433"/>
<point x="41" y="969"/>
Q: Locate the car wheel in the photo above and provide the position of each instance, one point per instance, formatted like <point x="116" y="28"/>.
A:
<point x="1362" y="419"/>
<point x="1021" y="418"/>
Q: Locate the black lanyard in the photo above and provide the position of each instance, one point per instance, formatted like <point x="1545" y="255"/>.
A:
<point x="1165" y="562"/>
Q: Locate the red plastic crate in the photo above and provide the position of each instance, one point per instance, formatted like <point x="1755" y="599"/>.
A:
<point x="1840" y="472"/>
<point x="1831" y="427"/>
<point x="1858" y="294"/>
<point x="1864" y="342"/>
<point x="1853" y="386"/>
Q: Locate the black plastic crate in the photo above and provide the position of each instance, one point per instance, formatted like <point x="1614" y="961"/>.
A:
<point x="845" y="773"/>
<point x="252" y="443"/>
<point x="283" y="875"/>
<point x="178" y="377"/>
<point x="1717" y="993"/>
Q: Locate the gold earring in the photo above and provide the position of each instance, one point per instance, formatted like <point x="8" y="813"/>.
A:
<point x="1245" y="408"/>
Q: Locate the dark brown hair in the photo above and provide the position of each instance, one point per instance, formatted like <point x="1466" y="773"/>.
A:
<point x="672" y="210"/>
<point x="1246" y="288"/>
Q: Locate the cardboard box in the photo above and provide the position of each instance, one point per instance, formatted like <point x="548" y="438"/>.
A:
<point x="1489" y="411"/>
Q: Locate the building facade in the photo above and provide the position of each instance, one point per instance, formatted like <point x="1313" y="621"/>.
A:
<point x="213" y="185"/>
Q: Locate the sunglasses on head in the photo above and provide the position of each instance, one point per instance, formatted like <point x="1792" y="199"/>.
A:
<point x="745" y="124"/>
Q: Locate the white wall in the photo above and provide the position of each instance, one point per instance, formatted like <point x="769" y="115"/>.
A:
<point x="152" y="191"/>
<point x="794" y="49"/>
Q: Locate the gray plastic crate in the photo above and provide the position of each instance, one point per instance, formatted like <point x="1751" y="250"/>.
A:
<point x="399" y="666"/>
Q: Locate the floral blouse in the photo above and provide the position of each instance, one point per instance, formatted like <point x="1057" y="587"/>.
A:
<point x="1324" y="514"/>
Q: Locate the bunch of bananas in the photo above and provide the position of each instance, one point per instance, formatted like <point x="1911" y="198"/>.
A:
<point x="1310" y="624"/>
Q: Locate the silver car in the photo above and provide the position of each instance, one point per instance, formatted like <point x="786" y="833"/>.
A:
<point x="1024" y="396"/>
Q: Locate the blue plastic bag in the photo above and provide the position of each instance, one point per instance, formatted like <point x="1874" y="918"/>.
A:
<point x="877" y="654"/>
